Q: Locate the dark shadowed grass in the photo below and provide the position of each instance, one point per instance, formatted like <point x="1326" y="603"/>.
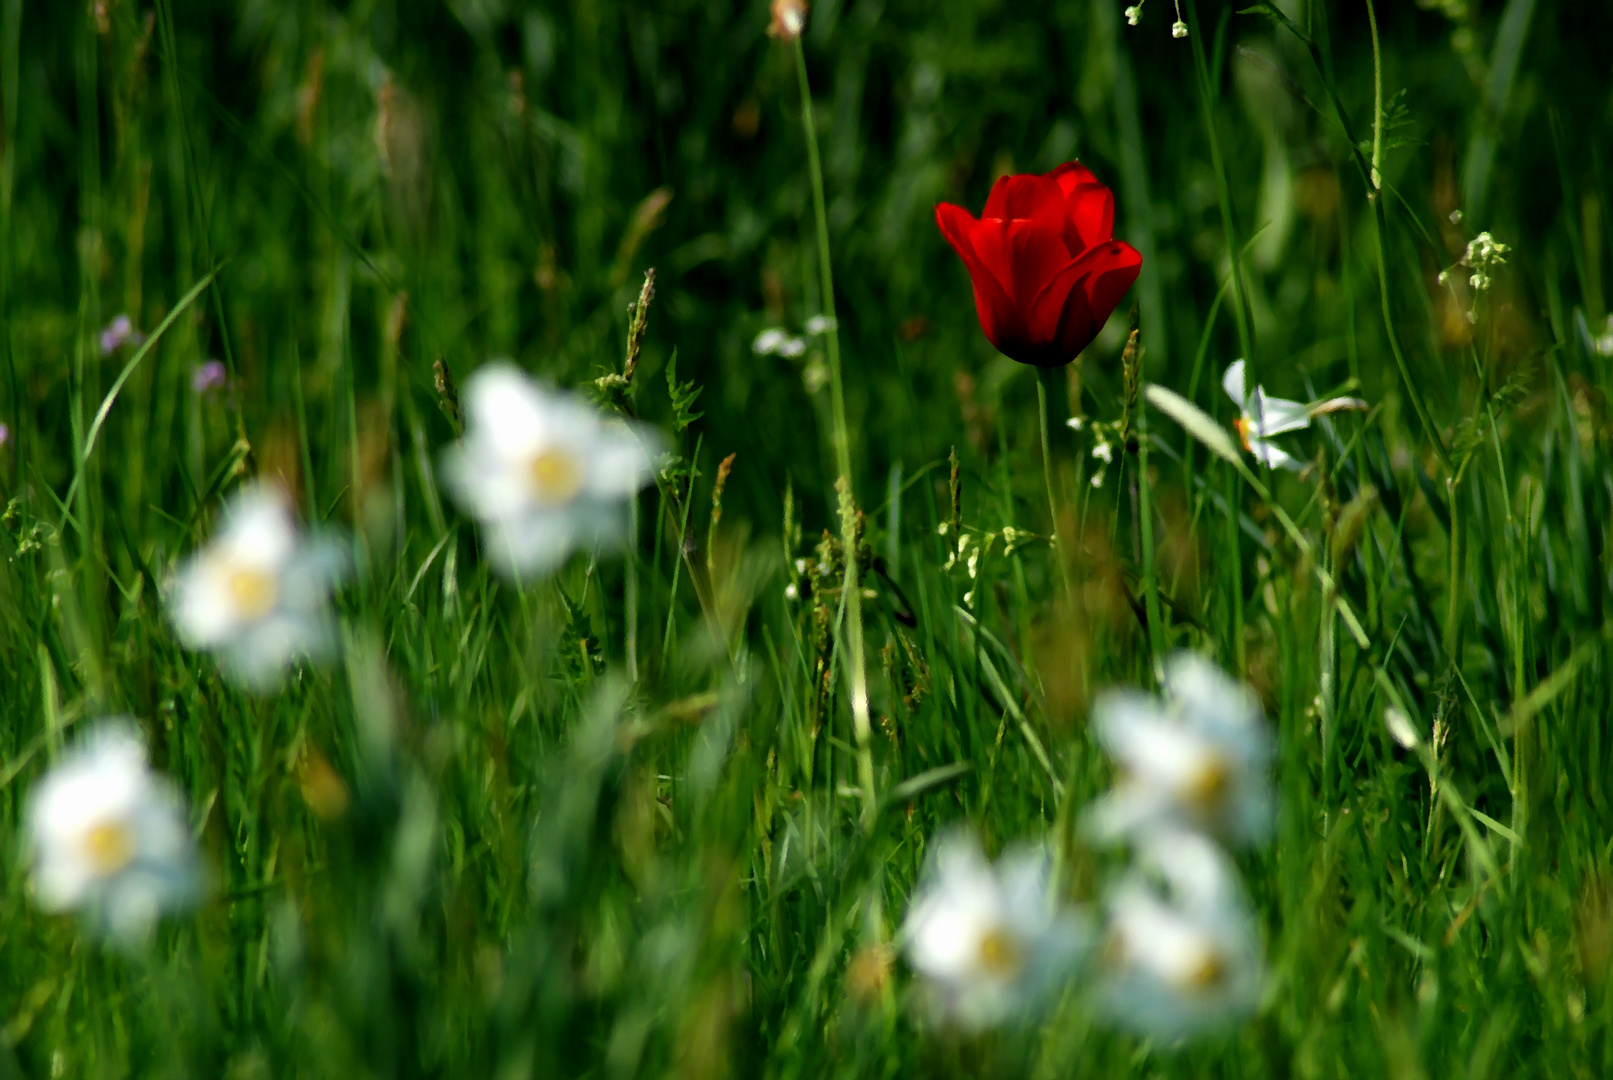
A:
<point x="482" y="844"/>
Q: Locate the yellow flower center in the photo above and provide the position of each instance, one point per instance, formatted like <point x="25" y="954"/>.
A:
<point x="1207" y="971"/>
<point x="254" y="592"/>
<point x="1242" y="424"/>
<point x="1207" y="785"/>
<point x="556" y="475"/>
<point x="999" y="955"/>
<point x="109" y="846"/>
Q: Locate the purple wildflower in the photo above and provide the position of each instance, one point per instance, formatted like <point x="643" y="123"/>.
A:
<point x="119" y="332"/>
<point x="208" y="377"/>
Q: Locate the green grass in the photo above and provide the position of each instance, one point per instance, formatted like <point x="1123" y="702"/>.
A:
<point x="550" y="864"/>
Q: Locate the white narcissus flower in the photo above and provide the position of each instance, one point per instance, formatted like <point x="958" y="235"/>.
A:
<point x="544" y="472"/>
<point x="1263" y="416"/>
<point x="256" y="595"/>
<point x="991" y="942"/>
<point x="109" y="837"/>
<point x="1182" y="954"/>
<point x="1198" y="758"/>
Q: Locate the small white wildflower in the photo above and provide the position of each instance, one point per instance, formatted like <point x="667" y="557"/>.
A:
<point x="1134" y="14"/>
<point x="768" y="341"/>
<point x="801" y="566"/>
<point x="544" y="472"/>
<point x="1178" y="29"/>
<point x="109" y="837"/>
<point x="1076" y="423"/>
<point x="1097" y="479"/>
<point x="791" y="592"/>
<point x="256" y="594"/>
<point x="1444" y="276"/>
<point x="969" y="599"/>
<point x="821" y="324"/>
<point x="1456" y="217"/>
<point x="974" y="563"/>
<point x="1263" y="416"/>
<point x="941" y="529"/>
<point x="1183" y="958"/>
<point x="991" y="943"/>
<point x="1197" y="758"/>
<point x="1104" y="452"/>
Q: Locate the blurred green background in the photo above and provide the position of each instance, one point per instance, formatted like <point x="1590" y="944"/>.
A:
<point x="477" y="847"/>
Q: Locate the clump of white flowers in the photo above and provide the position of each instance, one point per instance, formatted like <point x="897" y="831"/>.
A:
<point x="1179" y="950"/>
<point x="991" y="941"/>
<point x="1484" y="254"/>
<point x="1134" y="15"/>
<point x="108" y="837"/>
<point x="778" y="342"/>
<point x="1105" y="438"/>
<point x="1182" y="952"/>
<point x="544" y="472"/>
<point x="257" y="595"/>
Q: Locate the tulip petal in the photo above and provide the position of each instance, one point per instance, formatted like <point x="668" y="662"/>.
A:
<point x="1028" y="259"/>
<point x="992" y="303"/>
<point x="1090" y="217"/>
<point x="1033" y="198"/>
<point x="1072" y="175"/>
<point x="1088" y="290"/>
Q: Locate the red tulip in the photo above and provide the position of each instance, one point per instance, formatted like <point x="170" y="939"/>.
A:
<point x="1046" y="267"/>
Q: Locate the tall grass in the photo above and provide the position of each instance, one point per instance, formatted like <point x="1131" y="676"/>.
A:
<point x="484" y="844"/>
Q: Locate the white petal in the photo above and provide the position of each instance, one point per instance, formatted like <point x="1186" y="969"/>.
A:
<point x="622" y="461"/>
<point x="1208" y="696"/>
<point x="1232" y="383"/>
<point x="532" y="545"/>
<point x="258" y="530"/>
<point x="1276" y="415"/>
<point x="506" y="408"/>
<point x="1271" y="457"/>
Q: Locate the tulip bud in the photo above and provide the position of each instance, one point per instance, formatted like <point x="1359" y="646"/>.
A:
<point x="789" y="19"/>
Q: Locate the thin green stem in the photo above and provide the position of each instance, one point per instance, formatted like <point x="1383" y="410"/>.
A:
<point x="1044" y="376"/>
<point x="1246" y="336"/>
<point x="1145" y="515"/>
<point x="856" y="668"/>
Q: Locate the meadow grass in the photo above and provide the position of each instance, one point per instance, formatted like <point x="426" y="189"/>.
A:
<point x="628" y="822"/>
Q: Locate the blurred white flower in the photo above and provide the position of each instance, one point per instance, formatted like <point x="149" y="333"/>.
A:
<point x="109" y="837"/>
<point x="821" y="324"/>
<point x="1198" y="758"/>
<point x="544" y="472"/>
<point x="1182" y="954"/>
<point x="991" y="942"/>
<point x="1264" y="416"/>
<point x="256" y="595"/>
<point x="776" y="342"/>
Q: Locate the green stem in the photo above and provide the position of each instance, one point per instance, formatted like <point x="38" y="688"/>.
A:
<point x="1145" y="514"/>
<point x="862" y="727"/>
<point x="1246" y="336"/>
<point x="1045" y="377"/>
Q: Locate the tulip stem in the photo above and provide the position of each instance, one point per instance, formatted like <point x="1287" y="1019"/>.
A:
<point x="1044" y="377"/>
<point x="856" y="668"/>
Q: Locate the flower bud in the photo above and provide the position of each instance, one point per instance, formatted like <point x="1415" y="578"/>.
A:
<point x="789" y="19"/>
